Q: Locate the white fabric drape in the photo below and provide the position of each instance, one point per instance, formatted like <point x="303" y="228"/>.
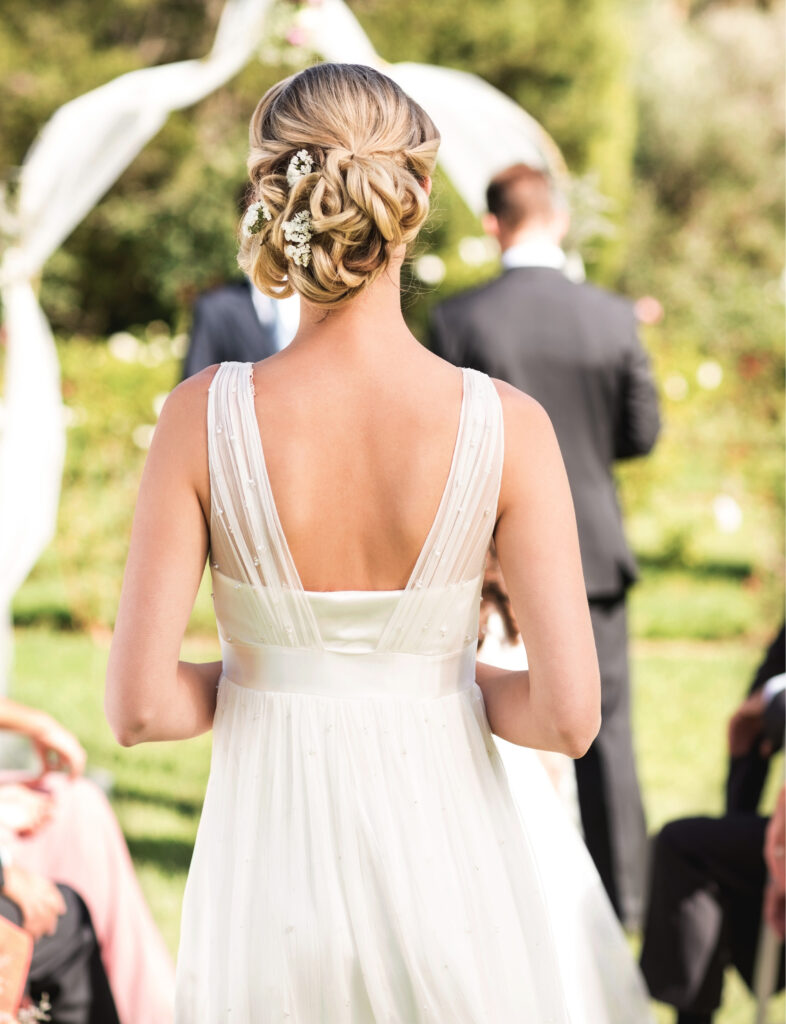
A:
<point x="81" y="152"/>
<point x="483" y="130"/>
<point x="32" y="445"/>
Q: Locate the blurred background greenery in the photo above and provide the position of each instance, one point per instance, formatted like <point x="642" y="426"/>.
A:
<point x="670" y="110"/>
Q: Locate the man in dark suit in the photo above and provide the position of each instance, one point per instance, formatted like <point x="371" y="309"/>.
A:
<point x="575" y="349"/>
<point x="233" y="322"/>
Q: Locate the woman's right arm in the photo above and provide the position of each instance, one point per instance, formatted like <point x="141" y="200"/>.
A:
<point x="555" y="703"/>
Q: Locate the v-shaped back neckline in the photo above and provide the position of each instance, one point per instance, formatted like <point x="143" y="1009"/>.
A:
<point x="249" y="393"/>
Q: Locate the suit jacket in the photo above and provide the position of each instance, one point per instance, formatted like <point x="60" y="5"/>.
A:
<point x="574" y="348"/>
<point x="226" y="327"/>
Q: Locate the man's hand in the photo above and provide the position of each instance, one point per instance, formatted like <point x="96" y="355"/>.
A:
<point x="745" y="725"/>
<point x="40" y="900"/>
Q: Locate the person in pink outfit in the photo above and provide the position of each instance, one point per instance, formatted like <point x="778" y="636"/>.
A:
<point x="60" y="825"/>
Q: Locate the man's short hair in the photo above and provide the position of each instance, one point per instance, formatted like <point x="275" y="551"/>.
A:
<point x="522" y="194"/>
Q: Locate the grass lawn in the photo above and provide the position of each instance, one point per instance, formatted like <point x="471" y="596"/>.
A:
<point x="685" y="691"/>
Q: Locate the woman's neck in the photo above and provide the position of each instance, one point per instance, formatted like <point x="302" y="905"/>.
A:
<point x="370" y="322"/>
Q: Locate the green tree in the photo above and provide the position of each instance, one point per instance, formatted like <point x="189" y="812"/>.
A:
<point x="568" y="64"/>
<point x="705" y="237"/>
<point x="166" y="228"/>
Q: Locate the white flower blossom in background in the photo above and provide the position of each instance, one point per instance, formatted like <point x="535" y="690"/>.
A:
<point x="178" y="346"/>
<point x="299" y="230"/>
<point x="308" y="19"/>
<point x="709" y="374"/>
<point x="74" y="415"/>
<point x="155" y="352"/>
<point x="430" y="269"/>
<point x="124" y="347"/>
<point x="158" y="402"/>
<point x="728" y="514"/>
<point x="254" y="218"/>
<point x="477" y="250"/>
<point x="142" y="435"/>
<point x="574" y="268"/>
<point x="301" y="164"/>
<point x="675" y="387"/>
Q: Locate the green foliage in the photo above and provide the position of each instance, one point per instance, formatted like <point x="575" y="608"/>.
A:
<point x="705" y="236"/>
<point x="709" y="155"/>
<point x="166" y="229"/>
<point x="567" y="64"/>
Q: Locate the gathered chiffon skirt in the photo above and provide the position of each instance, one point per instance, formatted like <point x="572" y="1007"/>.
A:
<point x="362" y="860"/>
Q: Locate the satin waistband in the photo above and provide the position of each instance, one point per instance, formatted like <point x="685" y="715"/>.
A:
<point x="346" y="674"/>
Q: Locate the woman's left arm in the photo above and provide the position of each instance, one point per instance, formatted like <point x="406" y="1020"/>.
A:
<point x="150" y="693"/>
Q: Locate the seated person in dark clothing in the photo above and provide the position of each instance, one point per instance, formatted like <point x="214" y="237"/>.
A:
<point x="66" y="965"/>
<point x="755" y="730"/>
<point x="709" y="874"/>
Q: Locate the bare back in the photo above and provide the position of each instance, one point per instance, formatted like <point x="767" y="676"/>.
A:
<point x="357" y="459"/>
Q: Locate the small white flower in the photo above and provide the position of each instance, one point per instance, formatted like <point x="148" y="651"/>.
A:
<point x="254" y="216"/>
<point x="301" y="164"/>
<point x="300" y="254"/>
<point x="299" y="230"/>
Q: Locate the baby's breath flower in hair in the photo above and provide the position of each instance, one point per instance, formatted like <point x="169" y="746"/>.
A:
<point x="301" y="164"/>
<point x="254" y="217"/>
<point x="299" y="230"/>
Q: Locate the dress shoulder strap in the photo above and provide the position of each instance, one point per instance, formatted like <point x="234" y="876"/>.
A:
<point x="247" y="544"/>
<point x="455" y="550"/>
<point x="460" y="539"/>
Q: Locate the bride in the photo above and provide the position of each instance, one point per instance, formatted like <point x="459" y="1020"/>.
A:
<point x="359" y="858"/>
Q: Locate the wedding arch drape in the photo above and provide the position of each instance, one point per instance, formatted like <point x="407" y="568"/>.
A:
<point x="81" y="152"/>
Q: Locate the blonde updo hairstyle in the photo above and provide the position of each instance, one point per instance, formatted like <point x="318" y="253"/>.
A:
<point x="372" y="148"/>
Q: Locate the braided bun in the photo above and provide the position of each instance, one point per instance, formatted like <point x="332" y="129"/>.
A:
<point x="372" y="149"/>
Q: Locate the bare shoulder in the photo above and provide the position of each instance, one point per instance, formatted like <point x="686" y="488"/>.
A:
<point x="531" y="450"/>
<point x="179" y="447"/>
<point x="523" y="415"/>
<point x="183" y="418"/>
<point x="190" y="395"/>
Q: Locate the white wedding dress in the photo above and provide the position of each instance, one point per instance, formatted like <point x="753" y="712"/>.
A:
<point x="360" y="859"/>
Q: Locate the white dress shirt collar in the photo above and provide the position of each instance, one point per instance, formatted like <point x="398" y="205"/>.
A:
<point x="773" y="686"/>
<point x="534" y="253"/>
<point x="263" y="306"/>
<point x="283" y="315"/>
